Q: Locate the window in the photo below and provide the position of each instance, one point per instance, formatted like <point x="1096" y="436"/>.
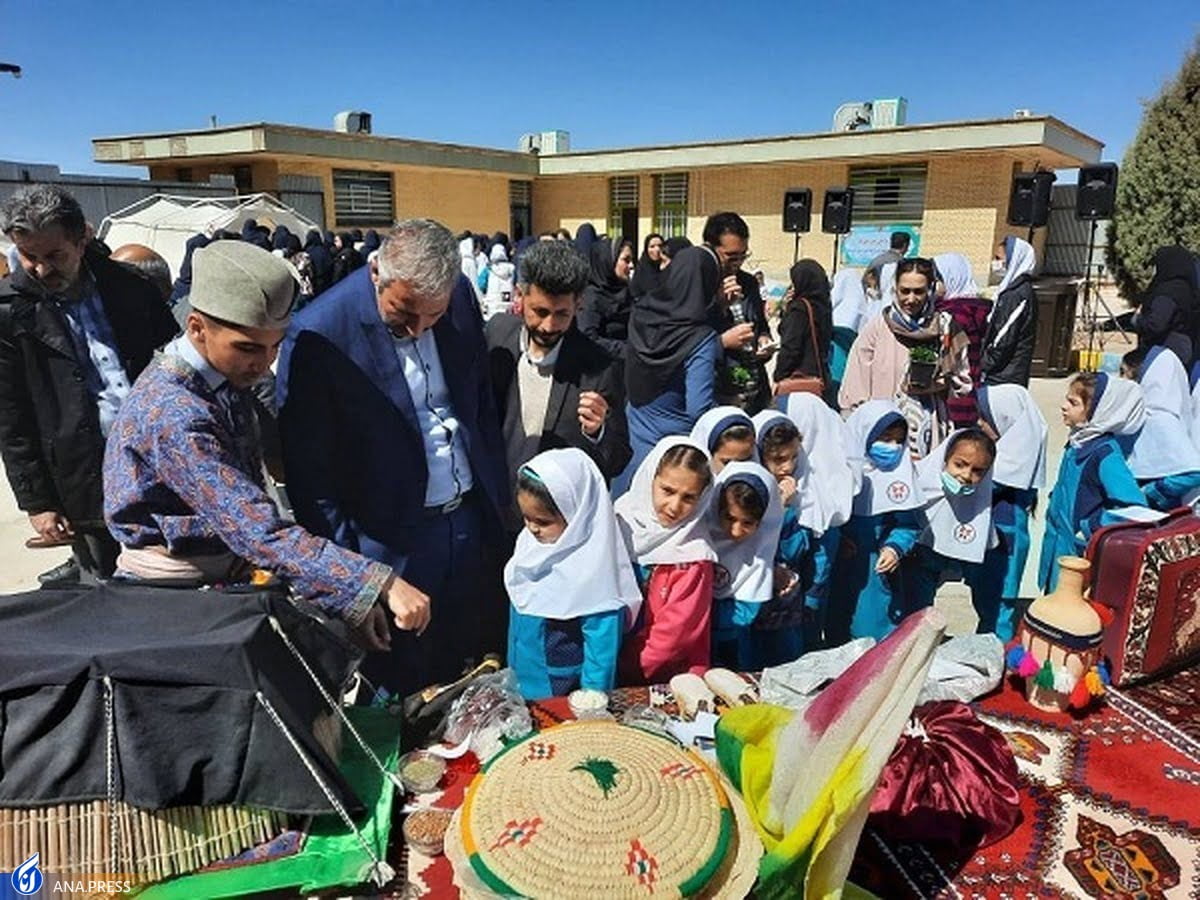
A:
<point x="362" y="198"/>
<point x="184" y="174"/>
<point x="623" y="203"/>
<point x="671" y="204"/>
<point x="888" y="195"/>
<point x="520" y="209"/>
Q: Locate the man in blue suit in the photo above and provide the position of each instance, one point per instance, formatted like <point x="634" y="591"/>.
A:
<point x="392" y="443"/>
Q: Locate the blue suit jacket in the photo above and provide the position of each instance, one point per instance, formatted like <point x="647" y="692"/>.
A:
<point x="353" y="453"/>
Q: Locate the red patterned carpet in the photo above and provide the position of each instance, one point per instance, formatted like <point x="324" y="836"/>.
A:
<point x="1175" y="699"/>
<point x="1110" y="803"/>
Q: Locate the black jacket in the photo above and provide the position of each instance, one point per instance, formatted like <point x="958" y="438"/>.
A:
<point x="49" y="424"/>
<point x="582" y="365"/>
<point x="1011" y="332"/>
<point x="797" y="346"/>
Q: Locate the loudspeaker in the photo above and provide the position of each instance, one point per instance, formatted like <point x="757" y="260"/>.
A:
<point x="838" y="211"/>
<point x="1096" y="191"/>
<point x="797" y="210"/>
<point x="1029" y="203"/>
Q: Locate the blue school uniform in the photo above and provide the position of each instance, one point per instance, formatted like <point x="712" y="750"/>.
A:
<point x="778" y="634"/>
<point x="1092" y="478"/>
<point x="1171" y="491"/>
<point x="864" y="603"/>
<point x="552" y="657"/>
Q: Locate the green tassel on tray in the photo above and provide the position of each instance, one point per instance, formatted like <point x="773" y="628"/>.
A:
<point x="1045" y="677"/>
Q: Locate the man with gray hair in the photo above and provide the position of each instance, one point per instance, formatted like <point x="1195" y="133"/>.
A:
<point x="555" y="387"/>
<point x="392" y="446"/>
<point x="76" y="330"/>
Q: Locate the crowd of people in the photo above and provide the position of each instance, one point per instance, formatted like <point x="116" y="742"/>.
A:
<point x="563" y="450"/>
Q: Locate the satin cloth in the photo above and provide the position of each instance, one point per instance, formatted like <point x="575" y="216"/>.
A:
<point x="951" y="780"/>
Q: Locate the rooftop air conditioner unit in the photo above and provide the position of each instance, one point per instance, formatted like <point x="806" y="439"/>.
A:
<point x="555" y="142"/>
<point x="889" y="113"/>
<point x="852" y="117"/>
<point x="530" y="143"/>
<point x="352" y="121"/>
<point x="1022" y="113"/>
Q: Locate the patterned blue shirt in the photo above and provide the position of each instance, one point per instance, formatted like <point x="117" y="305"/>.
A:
<point x="97" y="348"/>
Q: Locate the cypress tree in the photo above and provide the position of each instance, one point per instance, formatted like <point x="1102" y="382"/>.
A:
<point x="1158" y="192"/>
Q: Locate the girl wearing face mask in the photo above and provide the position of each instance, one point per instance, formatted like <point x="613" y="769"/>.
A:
<point x="662" y="518"/>
<point x="572" y="590"/>
<point x="956" y="482"/>
<point x="1012" y="323"/>
<point x="866" y="598"/>
<point x="744" y="521"/>
<point x="912" y="355"/>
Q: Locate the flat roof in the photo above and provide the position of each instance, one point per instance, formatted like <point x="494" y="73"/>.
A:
<point x="1061" y="145"/>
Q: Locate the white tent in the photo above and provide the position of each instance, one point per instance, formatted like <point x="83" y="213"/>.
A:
<point x="165" y="222"/>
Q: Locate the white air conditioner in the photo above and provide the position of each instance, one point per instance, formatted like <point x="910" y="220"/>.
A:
<point x="1022" y="113"/>
<point x="555" y="142"/>
<point x="890" y="112"/>
<point x="352" y="121"/>
<point x="530" y="143"/>
<point x="852" y="117"/>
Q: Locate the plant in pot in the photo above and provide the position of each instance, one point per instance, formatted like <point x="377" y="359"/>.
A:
<point x="922" y="366"/>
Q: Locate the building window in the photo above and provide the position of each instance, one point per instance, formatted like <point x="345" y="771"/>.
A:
<point x="520" y="209"/>
<point x="671" y="204"/>
<point x="243" y="179"/>
<point x="623" y="206"/>
<point x="888" y="195"/>
<point x="362" y="198"/>
<point x="184" y="175"/>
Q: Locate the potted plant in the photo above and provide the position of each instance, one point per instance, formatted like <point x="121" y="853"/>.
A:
<point x="922" y="366"/>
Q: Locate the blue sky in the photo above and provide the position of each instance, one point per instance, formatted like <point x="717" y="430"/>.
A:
<point x="613" y="74"/>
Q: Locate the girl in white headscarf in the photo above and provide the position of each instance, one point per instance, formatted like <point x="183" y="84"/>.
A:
<point x="1010" y="417"/>
<point x="956" y="482"/>
<point x="727" y="433"/>
<point x="570" y="582"/>
<point x="866" y="599"/>
<point x="500" y="277"/>
<point x="1093" y="478"/>
<point x="1162" y="456"/>
<point x="744" y="518"/>
<point x="1012" y="324"/>
<point x="662" y="518"/>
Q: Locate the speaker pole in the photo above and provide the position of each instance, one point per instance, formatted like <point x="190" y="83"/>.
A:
<point x="1089" y="307"/>
<point x="796" y="251"/>
<point x="836" y="240"/>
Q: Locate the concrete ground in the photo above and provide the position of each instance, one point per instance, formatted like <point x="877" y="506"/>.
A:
<point x="19" y="567"/>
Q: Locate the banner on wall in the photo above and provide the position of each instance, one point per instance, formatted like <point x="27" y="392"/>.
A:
<point x="865" y="242"/>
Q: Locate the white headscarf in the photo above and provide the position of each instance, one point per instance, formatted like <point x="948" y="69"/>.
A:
<point x="586" y="570"/>
<point x="710" y="425"/>
<point x="746" y="569"/>
<point x="1164" y="445"/>
<point x="806" y="501"/>
<point x="1195" y="426"/>
<point x="849" y="299"/>
<point x="1117" y="409"/>
<point x="881" y="492"/>
<point x="955" y="270"/>
<point x="823" y="436"/>
<point x="958" y="527"/>
<point x="1021" y="449"/>
<point x="887" y="286"/>
<point x="1019" y="260"/>
<point x="647" y="540"/>
<point x="498" y="253"/>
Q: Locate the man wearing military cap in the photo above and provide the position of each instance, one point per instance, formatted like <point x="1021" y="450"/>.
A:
<point x="184" y="488"/>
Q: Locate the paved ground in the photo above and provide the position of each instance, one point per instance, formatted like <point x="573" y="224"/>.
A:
<point x="19" y="567"/>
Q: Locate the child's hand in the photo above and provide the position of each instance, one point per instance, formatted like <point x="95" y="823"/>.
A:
<point x="785" y="580"/>
<point x="787" y="488"/>
<point x="889" y="559"/>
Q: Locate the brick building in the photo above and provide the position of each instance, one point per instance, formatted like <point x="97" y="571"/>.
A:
<point x="946" y="183"/>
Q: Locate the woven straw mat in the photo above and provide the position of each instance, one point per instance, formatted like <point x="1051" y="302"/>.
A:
<point x="596" y="809"/>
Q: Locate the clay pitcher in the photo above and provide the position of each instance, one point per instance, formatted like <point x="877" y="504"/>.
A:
<point x="1062" y="627"/>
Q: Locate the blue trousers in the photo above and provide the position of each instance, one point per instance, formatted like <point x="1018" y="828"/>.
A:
<point x="922" y="576"/>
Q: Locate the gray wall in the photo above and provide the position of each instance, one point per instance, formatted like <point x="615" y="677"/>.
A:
<point x="100" y="195"/>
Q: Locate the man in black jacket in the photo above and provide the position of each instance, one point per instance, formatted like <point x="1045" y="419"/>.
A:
<point x="76" y="329"/>
<point x="555" y="387"/>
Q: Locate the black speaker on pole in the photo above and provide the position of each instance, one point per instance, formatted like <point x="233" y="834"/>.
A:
<point x="797" y="210"/>
<point x="1029" y="203"/>
<point x="838" y="211"/>
<point x="1096" y="192"/>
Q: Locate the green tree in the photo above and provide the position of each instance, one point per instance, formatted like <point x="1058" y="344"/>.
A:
<point x="1158" y="193"/>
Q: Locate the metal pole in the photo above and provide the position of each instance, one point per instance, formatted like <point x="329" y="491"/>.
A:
<point x="1089" y="310"/>
<point x="836" y="239"/>
<point x="796" y="251"/>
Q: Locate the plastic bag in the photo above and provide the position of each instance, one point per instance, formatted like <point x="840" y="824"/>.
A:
<point x="490" y="713"/>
